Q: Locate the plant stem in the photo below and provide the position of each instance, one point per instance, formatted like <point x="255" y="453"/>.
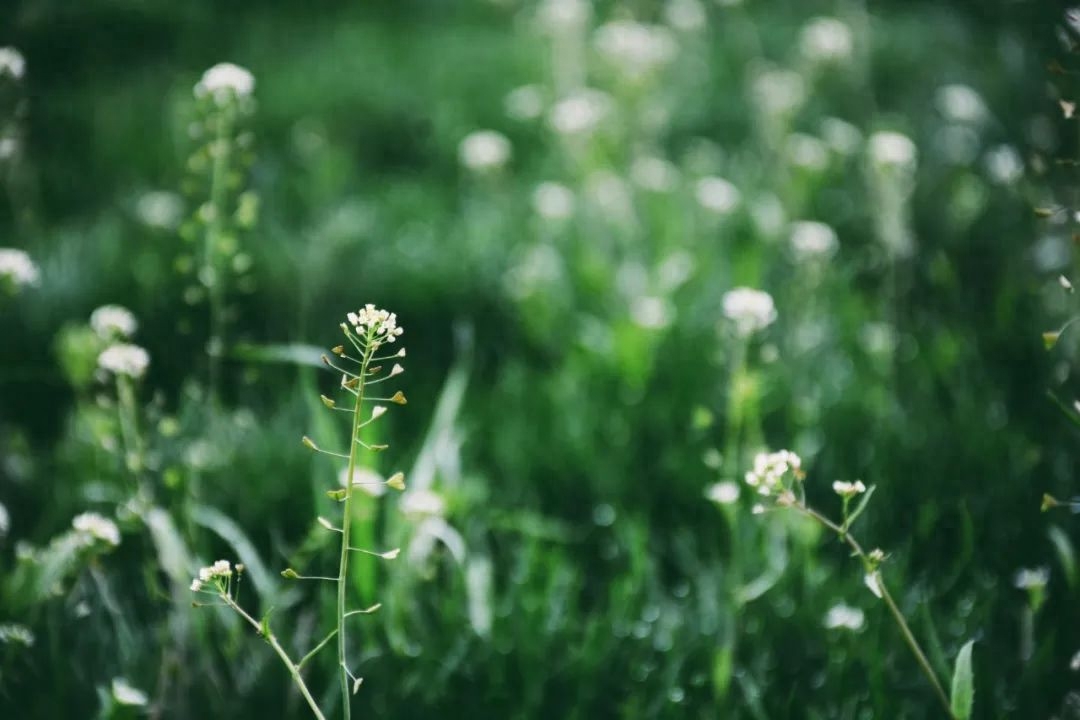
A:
<point x="129" y="426"/>
<point x="346" y="524"/>
<point x="216" y="277"/>
<point x="293" y="668"/>
<point x="905" y="630"/>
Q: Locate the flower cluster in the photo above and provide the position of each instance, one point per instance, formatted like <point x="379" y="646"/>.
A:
<point x="484" y="151"/>
<point x="379" y="325"/>
<point x="12" y="63"/>
<point x="826" y="39"/>
<point x="97" y="527"/>
<point x="224" y="81"/>
<point x="892" y="149"/>
<point x="845" y="617"/>
<point x="848" y="490"/>
<point x="214" y="574"/>
<point x="750" y="309"/>
<point x="770" y="469"/>
<point x="812" y="240"/>
<point x="634" y="48"/>
<point x="113" y="321"/>
<point x="124" y="359"/>
<point x="17" y="268"/>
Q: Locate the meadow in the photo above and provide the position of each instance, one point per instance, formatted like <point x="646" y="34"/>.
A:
<point x="633" y="247"/>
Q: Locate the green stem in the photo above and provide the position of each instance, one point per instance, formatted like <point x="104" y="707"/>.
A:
<point x="293" y="668"/>
<point x="905" y="630"/>
<point x="346" y="525"/>
<point x="216" y="289"/>
<point x="129" y="427"/>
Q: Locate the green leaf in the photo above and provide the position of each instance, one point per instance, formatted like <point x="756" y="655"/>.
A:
<point x="288" y="353"/>
<point x="860" y="507"/>
<point x="963" y="684"/>
<point x="228" y="530"/>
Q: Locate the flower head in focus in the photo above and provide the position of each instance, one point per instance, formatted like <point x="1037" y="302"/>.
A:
<point x="216" y="575"/>
<point x="771" y="470"/>
<point x="224" y="82"/>
<point x="375" y="325"/>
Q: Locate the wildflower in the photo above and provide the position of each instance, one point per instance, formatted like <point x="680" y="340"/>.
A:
<point x="634" y="48"/>
<point x="12" y="63"/>
<point x="848" y="489"/>
<point x="717" y="195"/>
<point x="212" y="575"/>
<point x="654" y="174"/>
<point x="421" y="503"/>
<point x="778" y="92"/>
<point x="826" y="39"/>
<point x="126" y="694"/>
<point x="113" y="321"/>
<point x="553" y="201"/>
<point x="580" y="112"/>
<point x="1003" y="165"/>
<point x="524" y="103"/>
<point x="841" y="616"/>
<point x="15" y="633"/>
<point x="377" y="324"/>
<point x="685" y="15"/>
<point x="651" y="312"/>
<point x="484" y="150"/>
<point x="160" y="209"/>
<point x="767" y="475"/>
<point x="1031" y="578"/>
<point x="877" y="556"/>
<point x="723" y="493"/>
<point x="17" y="268"/>
<point x="97" y="527"/>
<point x="841" y="136"/>
<point x="225" y="81"/>
<point x="750" y="309"/>
<point x="960" y="103"/>
<point x="892" y="149"/>
<point x="812" y="240"/>
<point x="807" y="152"/>
<point x="610" y="194"/>
<point x="558" y="15"/>
<point x="124" y="359"/>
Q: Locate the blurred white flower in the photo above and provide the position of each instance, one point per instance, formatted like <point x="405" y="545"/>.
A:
<point x="17" y="268"/>
<point x="826" y="39"/>
<point x="777" y="91"/>
<point x="685" y="15"/>
<point x="608" y="193"/>
<point x="1031" y="578"/>
<point x="675" y="270"/>
<point x="633" y="48"/>
<point x="160" y="209"/>
<point x="767" y="475"/>
<point x="654" y="173"/>
<point x="124" y="693"/>
<point x="580" y="112"/>
<point x="841" y="616"/>
<point x="749" y="309"/>
<point x="878" y="338"/>
<point x="15" y="633"/>
<point x="12" y="63"/>
<point x="553" y="201"/>
<point x="892" y="149"/>
<point x="561" y="15"/>
<point x="841" y="136"/>
<point x="1003" y="165"/>
<point x="8" y="146"/>
<point x="812" y="240"/>
<point x="960" y="103"/>
<point x="225" y="81"/>
<point x="539" y="268"/>
<point x="807" y="152"/>
<point x="422" y="503"/>
<point x="651" y="312"/>
<point x="113" y="321"/>
<point x="524" y="103"/>
<point x="364" y="479"/>
<point x="484" y="150"/>
<point x="768" y="214"/>
<point x="124" y="359"/>
<point x="723" y="493"/>
<point x="98" y="527"/>
<point x="717" y="195"/>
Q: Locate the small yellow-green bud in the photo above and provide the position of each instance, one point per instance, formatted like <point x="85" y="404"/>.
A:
<point x="327" y="401"/>
<point x="338" y="349"/>
<point x="308" y="442"/>
<point x="399" y="398"/>
<point x="1049" y="502"/>
<point x="290" y="574"/>
<point x="378" y="448"/>
<point x="1050" y="339"/>
<point x="374" y="370"/>
<point x="396" y="481"/>
<point x="338" y="495"/>
<point x="351" y="384"/>
<point x="325" y="523"/>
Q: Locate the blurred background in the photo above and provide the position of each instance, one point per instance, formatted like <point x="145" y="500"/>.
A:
<point x="554" y="197"/>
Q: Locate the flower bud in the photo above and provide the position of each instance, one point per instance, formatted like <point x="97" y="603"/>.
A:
<point x="399" y="398"/>
<point x="396" y="481"/>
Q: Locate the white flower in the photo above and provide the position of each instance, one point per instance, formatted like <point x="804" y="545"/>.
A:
<point x="580" y="112"/>
<point x="126" y="694"/>
<point x="484" y="150"/>
<point x="98" y="527"/>
<point x="654" y="174"/>
<point x="17" y="267"/>
<point x="717" y="195"/>
<point x="124" y="359"/>
<point x="12" y="63"/>
<point x="160" y="209"/>
<point x="845" y="617"/>
<point x="524" y="103"/>
<point x="609" y="193"/>
<point x="113" y="321"/>
<point x="650" y="312"/>
<point x="365" y="479"/>
<point x="634" y="48"/>
<point x="778" y="92"/>
<point x="812" y="240"/>
<point x="1031" y="578"/>
<point x="723" y="493"/>
<point x="685" y="15"/>
<point x="806" y="151"/>
<point x="225" y="81"/>
<point x="826" y="39"/>
<point x="560" y="15"/>
<point x="841" y="136"/>
<point x="15" y="633"/>
<point x="960" y="103"/>
<point x="420" y="503"/>
<point x="848" y="489"/>
<point x="553" y="201"/>
<point x="219" y="569"/>
<point x="1003" y="165"/>
<point x="750" y="309"/>
<point x="892" y="149"/>
<point x="767" y="475"/>
<point x="379" y="324"/>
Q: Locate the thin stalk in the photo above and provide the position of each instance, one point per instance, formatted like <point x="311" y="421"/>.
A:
<point x="129" y="427"/>
<point x="294" y="669"/>
<point x="216" y="345"/>
<point x="346" y="524"/>
<point x="905" y="630"/>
